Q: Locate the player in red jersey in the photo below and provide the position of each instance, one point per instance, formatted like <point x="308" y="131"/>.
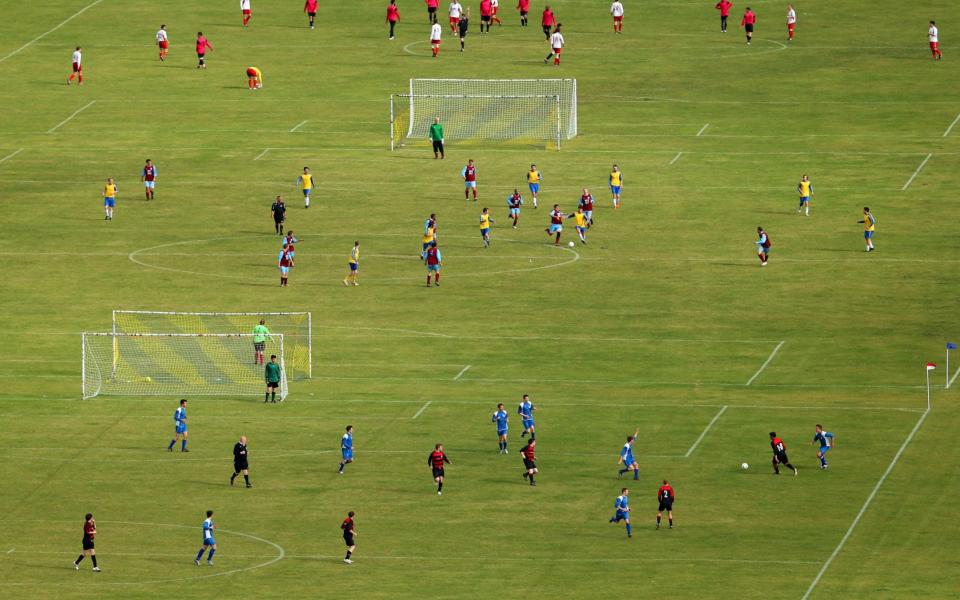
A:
<point x="432" y="6"/>
<point x="665" y="495"/>
<point x="724" y="7"/>
<point x="469" y="174"/>
<point x="89" y="532"/>
<point x="435" y="461"/>
<point x="349" y="531"/>
<point x="529" y="460"/>
<point x="254" y="78"/>
<point x="148" y="176"/>
<point x="310" y="7"/>
<point x="495" y="7"/>
<point x="779" y="454"/>
<point x="202" y="46"/>
<point x="486" y="14"/>
<point x="285" y="262"/>
<point x="245" y="11"/>
<point x="547" y="21"/>
<point x="524" y="7"/>
<point x="434" y="261"/>
<point x="747" y="22"/>
<point x="393" y="15"/>
<point x="556" y="223"/>
<point x="77" y="71"/>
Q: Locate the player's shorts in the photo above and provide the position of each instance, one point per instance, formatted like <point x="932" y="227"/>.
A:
<point x="201" y="55"/>
<point x="246" y="11"/>
<point x="514" y="212"/>
<point x="181" y="428"/>
<point x="556" y="228"/>
<point x="748" y="28"/>
<point x="108" y="201"/>
<point x="431" y="10"/>
<point x="867" y="235"/>
<point x="354" y="267"/>
<point x="534" y="188"/>
<point x="284" y="270"/>
<point x="87" y="543"/>
<point x="824" y="449"/>
<point x="470" y="184"/>
<point x="934" y="45"/>
<point x="804" y="199"/>
<point x="484" y="232"/>
<point x="781" y="459"/>
<point x="665" y="506"/>
<point x="485" y="18"/>
<point x="77" y="67"/>
<point x="306" y="192"/>
<point x="346" y="454"/>
<point x="557" y="51"/>
<point x="581" y="229"/>
<point x="209" y="541"/>
<point x="529" y="464"/>
<point x="615" y="189"/>
<point x="765" y="249"/>
<point x="618" y="19"/>
<point x="252" y="73"/>
<point x="495" y="10"/>
<point x="437" y="472"/>
<point x="501" y="432"/>
<point x="149" y="184"/>
<point x="454" y="20"/>
<point x="528" y="423"/>
<point x="433" y="268"/>
<point x="164" y="44"/>
<point x="272" y="385"/>
<point x="523" y="13"/>
<point x="312" y="14"/>
<point x="621" y="516"/>
<point x="240" y="466"/>
<point x="348" y="538"/>
<point x="791" y="26"/>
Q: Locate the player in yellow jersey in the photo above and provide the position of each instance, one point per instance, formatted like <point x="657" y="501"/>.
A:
<point x="485" y="221"/>
<point x="254" y="78"/>
<point x="354" y="265"/>
<point x="582" y="223"/>
<point x="616" y="181"/>
<point x="109" y="199"/>
<point x="805" y="189"/>
<point x="869" y="225"/>
<point x="305" y="181"/>
<point x="429" y="234"/>
<point x="533" y="180"/>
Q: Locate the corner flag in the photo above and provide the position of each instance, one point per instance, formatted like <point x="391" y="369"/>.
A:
<point x="931" y="366"/>
<point x="951" y="346"/>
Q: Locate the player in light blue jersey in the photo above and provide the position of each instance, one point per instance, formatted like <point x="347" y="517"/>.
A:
<point x="208" y="540"/>
<point x="622" y="506"/>
<point x="500" y="418"/>
<point x="180" y="427"/>
<point x="626" y="458"/>
<point x="525" y="410"/>
<point x="826" y="441"/>
<point x="346" y="448"/>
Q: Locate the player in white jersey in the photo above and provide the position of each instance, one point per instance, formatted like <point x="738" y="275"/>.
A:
<point x="933" y="34"/>
<point x="556" y="45"/>
<point x="435" y="32"/>
<point x="245" y="11"/>
<point x="77" y="67"/>
<point x="616" y="9"/>
<point x="495" y="7"/>
<point x="791" y="22"/>
<point x="162" y="41"/>
<point x="208" y="540"/>
<point x="455" y="10"/>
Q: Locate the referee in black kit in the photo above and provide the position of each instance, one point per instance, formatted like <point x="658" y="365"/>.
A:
<point x="240" y="463"/>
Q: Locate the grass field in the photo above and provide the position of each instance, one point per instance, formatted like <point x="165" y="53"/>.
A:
<point x="663" y="322"/>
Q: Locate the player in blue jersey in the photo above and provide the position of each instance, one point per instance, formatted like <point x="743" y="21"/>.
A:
<point x="525" y="410"/>
<point x="346" y="448"/>
<point x="208" y="540"/>
<point x="500" y="418"/>
<point x="180" y="427"/>
<point x="626" y="458"/>
<point x="622" y="506"/>
<point x="826" y="441"/>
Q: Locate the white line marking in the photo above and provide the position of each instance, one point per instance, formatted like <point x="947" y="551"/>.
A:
<point x="866" y="505"/>
<point x="77" y="112"/>
<point x="767" y="362"/>
<point x="43" y="35"/>
<point x="462" y="371"/>
<point x="298" y="126"/>
<point x="676" y="158"/>
<point x="10" y="551"/>
<point x="555" y="559"/>
<point x="422" y="408"/>
<point x="915" y="173"/>
<point x="703" y="433"/>
<point x="702" y="129"/>
<point x="259" y="156"/>
<point x="949" y="129"/>
<point x="9" y="156"/>
<point x="952" y="379"/>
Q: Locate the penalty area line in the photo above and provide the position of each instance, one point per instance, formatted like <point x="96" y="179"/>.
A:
<point x="422" y="408"/>
<point x="703" y="433"/>
<point x="676" y="158"/>
<point x="11" y="155"/>
<point x="702" y="129"/>
<point x="462" y="371"/>
<point x="75" y="113"/>
<point x="766" y="362"/>
<point x="949" y="129"/>
<point x="262" y="154"/>
<point x="43" y="35"/>
<point x="915" y="173"/>
<point x="298" y="126"/>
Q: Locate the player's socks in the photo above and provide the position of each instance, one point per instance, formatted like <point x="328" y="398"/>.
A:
<point x="556" y="61"/>
<point x="439" y="487"/>
<point x="341" y="467"/>
<point x="532" y="482"/>
<point x="246" y="478"/>
<point x="629" y="531"/>
<point x="525" y="474"/>
<point x="266" y="396"/>
<point x="273" y="396"/>
<point x="636" y="474"/>
<point x="671" y="523"/>
<point x="183" y="445"/>
<point x="79" y="560"/>
<point x="349" y="554"/>
<point x="658" y="521"/>
<point x="306" y="203"/>
<point x="93" y="557"/>
<point x="621" y="472"/>
<point x="210" y="554"/>
<point x="232" y="477"/>
<point x="172" y="442"/>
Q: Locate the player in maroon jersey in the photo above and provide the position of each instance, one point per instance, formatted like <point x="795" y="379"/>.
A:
<point x="469" y="174"/>
<point x="435" y="461"/>
<point x="666" y="496"/>
<point x="285" y="262"/>
<point x="349" y="531"/>
<point x="780" y="454"/>
<point x="556" y="223"/>
<point x="586" y="203"/>
<point x="529" y="460"/>
<point x="434" y="261"/>
<point x="89" y="532"/>
<point x="148" y="176"/>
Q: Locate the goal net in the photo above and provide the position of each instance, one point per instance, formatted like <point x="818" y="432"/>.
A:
<point x="296" y="328"/>
<point x="490" y="109"/>
<point x="176" y="364"/>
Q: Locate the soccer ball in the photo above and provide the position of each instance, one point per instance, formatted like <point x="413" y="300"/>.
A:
<point x="571" y="244"/>
<point x="744" y="466"/>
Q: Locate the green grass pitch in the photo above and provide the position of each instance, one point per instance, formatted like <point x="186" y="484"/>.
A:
<point x="659" y="323"/>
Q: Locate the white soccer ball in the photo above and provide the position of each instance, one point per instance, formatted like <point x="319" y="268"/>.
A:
<point x="571" y="244"/>
<point x="744" y="466"/>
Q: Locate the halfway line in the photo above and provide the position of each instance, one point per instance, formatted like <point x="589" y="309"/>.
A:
<point x="422" y="408"/>
<point x="462" y="371"/>
<point x="298" y="126"/>
<point x="866" y="505"/>
<point x="915" y="173"/>
<point x="75" y="113"/>
<point x="703" y="433"/>
<point x="9" y="156"/>
<point x="259" y="156"/>
<point x="949" y="129"/>
<point x="764" y="365"/>
<point x="43" y="35"/>
<point x="702" y="129"/>
<point x="676" y="158"/>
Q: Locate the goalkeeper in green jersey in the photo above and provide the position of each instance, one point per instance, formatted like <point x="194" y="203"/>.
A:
<point x="272" y="374"/>
<point x="260" y="333"/>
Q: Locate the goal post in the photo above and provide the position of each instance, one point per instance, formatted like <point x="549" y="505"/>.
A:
<point x="296" y="327"/>
<point x="486" y="109"/>
<point x="176" y="364"/>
